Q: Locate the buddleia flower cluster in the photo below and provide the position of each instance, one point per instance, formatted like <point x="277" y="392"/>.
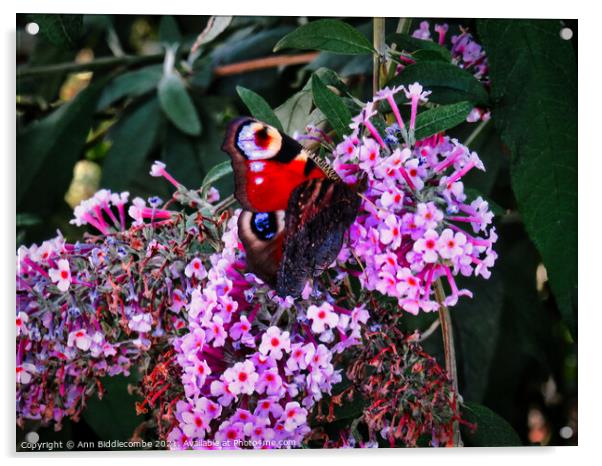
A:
<point x="226" y="363"/>
<point x="466" y="53"/>
<point x="416" y="224"/>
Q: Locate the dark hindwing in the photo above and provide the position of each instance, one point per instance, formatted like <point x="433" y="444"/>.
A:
<point x="261" y="234"/>
<point x="319" y="213"/>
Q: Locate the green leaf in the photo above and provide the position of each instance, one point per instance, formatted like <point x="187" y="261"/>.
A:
<point x="492" y="430"/>
<point x="114" y="417"/>
<point x="441" y="118"/>
<point x="428" y="55"/>
<point x="258" y="107"/>
<point x="169" y="32"/>
<point x="48" y="149"/>
<point x="294" y="113"/>
<point x="330" y="35"/>
<point x="202" y="72"/>
<point x="448" y="83"/>
<point x="132" y="139"/>
<point x="26" y="219"/>
<point x="177" y="104"/>
<point x="133" y="84"/>
<point x="215" y="26"/>
<point x="332" y="106"/>
<point x="534" y="92"/>
<point x="407" y="43"/>
<point x="180" y="154"/>
<point x="477" y="327"/>
<point x="61" y="30"/>
<point x="216" y="173"/>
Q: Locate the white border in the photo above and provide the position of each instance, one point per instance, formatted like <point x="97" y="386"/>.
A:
<point x="589" y="216"/>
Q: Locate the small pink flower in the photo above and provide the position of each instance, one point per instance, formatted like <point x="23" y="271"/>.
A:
<point x="427" y="246"/>
<point x="24" y="373"/>
<point x="215" y="332"/>
<point x="390" y="231"/>
<point x="240" y="328"/>
<point x="322" y="317"/>
<point x="241" y="378"/>
<point x="213" y="195"/>
<point x="294" y="415"/>
<point x="178" y="301"/>
<point x="62" y="275"/>
<point x="428" y="216"/>
<point x="195" y="269"/>
<point x="21" y="321"/>
<point x="450" y="245"/>
<point x="274" y="342"/>
<point x="80" y="339"/>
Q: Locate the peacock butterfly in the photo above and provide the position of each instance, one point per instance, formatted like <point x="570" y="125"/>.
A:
<point x="296" y="210"/>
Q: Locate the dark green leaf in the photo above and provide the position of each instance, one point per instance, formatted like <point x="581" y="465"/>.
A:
<point x="114" y="417"/>
<point x="216" y="173"/>
<point x="169" y="32"/>
<point x="534" y="89"/>
<point x="492" y="430"/>
<point x="180" y="155"/>
<point x="202" y="72"/>
<point x="330" y="35"/>
<point x="477" y="327"/>
<point x="133" y="84"/>
<point x="441" y="118"/>
<point x="332" y="106"/>
<point x="177" y="104"/>
<point x="491" y="151"/>
<point x="215" y="26"/>
<point x="448" y="83"/>
<point x="428" y="55"/>
<point x="132" y="139"/>
<point x="61" y="30"/>
<point x="407" y="43"/>
<point x="294" y="113"/>
<point x="258" y="107"/>
<point x="27" y="220"/>
<point x="48" y="149"/>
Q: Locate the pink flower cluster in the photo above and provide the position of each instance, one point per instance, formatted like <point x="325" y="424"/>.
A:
<point x="416" y="223"/>
<point x="62" y="348"/>
<point x="98" y="211"/>
<point x="253" y="364"/>
<point x="466" y="53"/>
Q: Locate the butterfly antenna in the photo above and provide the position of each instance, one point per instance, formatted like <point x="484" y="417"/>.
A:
<point x="325" y="166"/>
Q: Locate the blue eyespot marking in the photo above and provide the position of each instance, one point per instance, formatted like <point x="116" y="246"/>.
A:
<point x="264" y="225"/>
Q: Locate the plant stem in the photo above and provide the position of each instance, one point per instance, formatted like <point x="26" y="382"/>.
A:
<point x="98" y="64"/>
<point x="378" y="40"/>
<point x="403" y="27"/>
<point x="450" y="352"/>
<point x="130" y="60"/>
<point x="480" y="127"/>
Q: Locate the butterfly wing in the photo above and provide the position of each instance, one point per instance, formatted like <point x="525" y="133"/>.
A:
<point x="319" y="213"/>
<point x="262" y="234"/>
<point x="295" y="217"/>
<point x="268" y="165"/>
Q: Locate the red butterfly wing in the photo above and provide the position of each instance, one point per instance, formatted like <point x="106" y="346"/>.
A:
<point x="268" y="165"/>
<point x="294" y="216"/>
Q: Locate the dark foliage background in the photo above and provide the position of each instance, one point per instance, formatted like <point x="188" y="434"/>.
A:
<point x="93" y="111"/>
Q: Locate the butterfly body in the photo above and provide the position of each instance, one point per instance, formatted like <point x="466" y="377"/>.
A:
<point x="295" y="214"/>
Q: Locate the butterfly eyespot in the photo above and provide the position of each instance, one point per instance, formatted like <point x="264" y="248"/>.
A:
<point x="264" y="225"/>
